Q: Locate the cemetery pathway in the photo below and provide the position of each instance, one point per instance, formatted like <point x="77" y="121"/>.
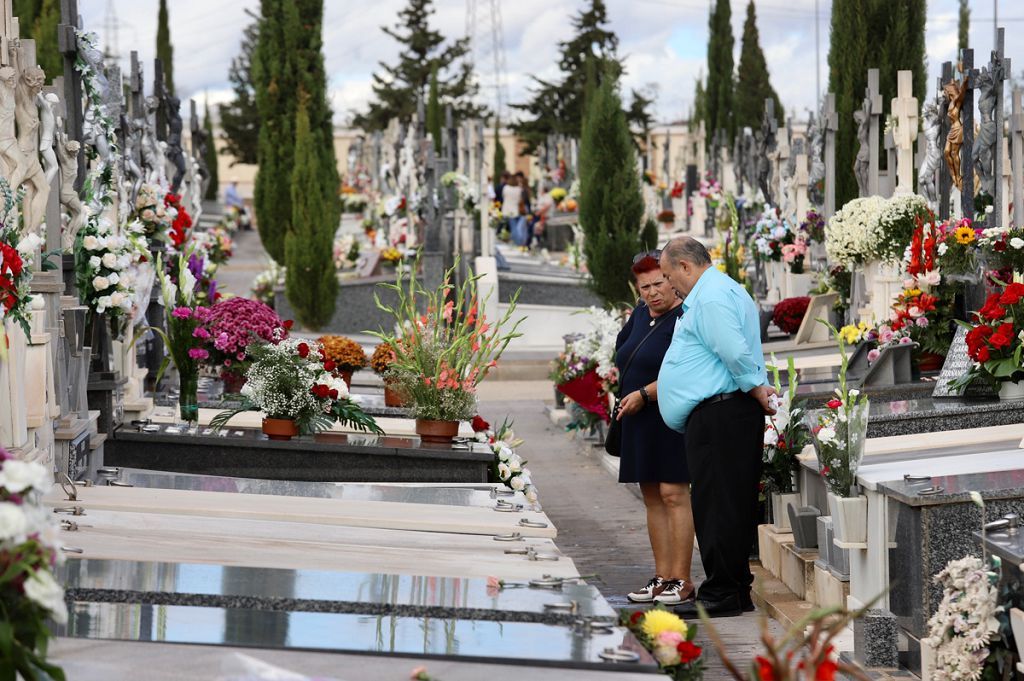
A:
<point x="247" y="260"/>
<point x="600" y="522"/>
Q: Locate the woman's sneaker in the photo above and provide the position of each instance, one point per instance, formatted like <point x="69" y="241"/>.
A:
<point x="648" y="593"/>
<point x="674" y="592"/>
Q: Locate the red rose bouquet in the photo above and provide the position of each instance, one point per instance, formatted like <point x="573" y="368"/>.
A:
<point x="789" y="313"/>
<point x="994" y="339"/>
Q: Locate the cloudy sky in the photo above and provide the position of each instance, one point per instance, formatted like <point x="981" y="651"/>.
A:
<point x="664" y="41"/>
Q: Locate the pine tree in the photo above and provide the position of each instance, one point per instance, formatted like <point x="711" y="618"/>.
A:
<point x="211" y="156"/>
<point x="164" y="49"/>
<point x="398" y="87"/>
<point x="434" y="111"/>
<point x="274" y="78"/>
<point x="240" y="119"/>
<point x="753" y="84"/>
<point x="499" y="156"/>
<point x="719" y="112"/>
<point x="557" y="107"/>
<point x="611" y="205"/>
<point x="964" y="28"/>
<point x="311" y="283"/>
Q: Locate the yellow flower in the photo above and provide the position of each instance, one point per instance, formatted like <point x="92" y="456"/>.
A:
<point x="721" y="267"/>
<point x="657" y="621"/>
<point x="912" y="292"/>
<point x="964" y="235"/>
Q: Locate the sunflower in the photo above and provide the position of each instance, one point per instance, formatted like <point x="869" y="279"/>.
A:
<point x="657" y="621"/>
<point x="964" y="235"/>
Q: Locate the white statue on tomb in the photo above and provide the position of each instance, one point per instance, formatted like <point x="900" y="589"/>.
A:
<point x="152" y="152"/>
<point x="15" y="161"/>
<point x="134" y="175"/>
<point x="927" y="174"/>
<point x="47" y="125"/>
<point x="67" y="155"/>
<point x="26" y="114"/>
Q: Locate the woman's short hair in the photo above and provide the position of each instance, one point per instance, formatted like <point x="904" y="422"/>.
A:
<point x="645" y="264"/>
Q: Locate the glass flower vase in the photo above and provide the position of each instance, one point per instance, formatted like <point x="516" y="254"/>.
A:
<point x="188" y="397"/>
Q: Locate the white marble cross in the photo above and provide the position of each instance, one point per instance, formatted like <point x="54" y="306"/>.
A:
<point x="905" y="112"/>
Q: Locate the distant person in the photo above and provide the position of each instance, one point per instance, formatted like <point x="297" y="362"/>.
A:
<point x="525" y="210"/>
<point x="232" y="199"/>
<point x="651" y="453"/>
<point x="499" y="193"/>
<point x="512" y="210"/>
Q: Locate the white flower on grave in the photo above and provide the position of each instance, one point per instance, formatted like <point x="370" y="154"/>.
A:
<point x="515" y="463"/>
<point x="531" y="495"/>
<point x="853" y="392"/>
<point x="504" y="472"/>
<point x="932" y="277"/>
<point x="943" y="248"/>
<point x="1017" y="242"/>
<point x="43" y="589"/>
<point x="95" y="262"/>
<point x="188" y="284"/>
<point x="28" y="245"/>
<point x="518" y="484"/>
<point x="505" y="452"/>
<point x="827" y="435"/>
<point x="771" y="438"/>
<point x="100" y="283"/>
<point x="109" y="261"/>
<point x="113" y="278"/>
<point x="12" y="521"/>
<point x="17" y="476"/>
<point x="102" y="303"/>
<point x="91" y="243"/>
<point x="116" y="298"/>
<point x="988" y="210"/>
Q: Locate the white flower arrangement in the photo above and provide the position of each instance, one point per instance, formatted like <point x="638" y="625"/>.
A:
<point x="509" y="467"/>
<point x="896" y="225"/>
<point x="851" y="234"/>
<point x="599" y="344"/>
<point x="965" y="623"/>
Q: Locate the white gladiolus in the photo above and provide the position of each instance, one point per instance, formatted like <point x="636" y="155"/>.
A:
<point x="504" y="452"/>
<point x="12" y="521"/>
<point x="17" y="476"/>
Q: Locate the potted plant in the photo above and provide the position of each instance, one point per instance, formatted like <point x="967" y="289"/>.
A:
<point x="443" y="354"/>
<point x="298" y="390"/>
<point x="785" y="436"/>
<point x="380" y="362"/>
<point x="839" y="432"/>
<point x="234" y="323"/>
<point x="347" y="355"/>
<point x="994" y="343"/>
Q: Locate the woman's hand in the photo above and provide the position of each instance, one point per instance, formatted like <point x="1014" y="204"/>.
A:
<point x="631" y="404"/>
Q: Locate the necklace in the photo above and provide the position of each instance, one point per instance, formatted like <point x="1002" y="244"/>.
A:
<point x="653" y="322"/>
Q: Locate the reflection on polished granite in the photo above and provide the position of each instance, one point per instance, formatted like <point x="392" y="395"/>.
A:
<point x="123" y="581"/>
<point x="1009" y="548"/>
<point x="511" y="642"/>
<point x="998" y="484"/>
<point x="479" y="496"/>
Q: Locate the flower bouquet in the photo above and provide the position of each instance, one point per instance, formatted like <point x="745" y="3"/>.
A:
<point x="264" y="283"/>
<point x="711" y="191"/>
<point x="443" y="354"/>
<point x="29" y="594"/>
<point x="785" y="436"/>
<point x="670" y="641"/>
<point x="103" y="261"/>
<point x="151" y="211"/>
<point x="957" y="249"/>
<point x="678" y="190"/>
<point x="839" y="432"/>
<point x="852" y="233"/>
<point x="789" y="313"/>
<point x="994" y="342"/>
<point x="897" y="220"/>
<point x="771" y="233"/>
<point x="181" y="221"/>
<point x="347" y="355"/>
<point x="298" y="390"/>
<point x="586" y="373"/>
<point x="666" y="217"/>
<point x="1003" y="248"/>
<point x="508" y="467"/>
<point x="234" y="323"/>
<point x="813" y="227"/>
<point x="16" y="255"/>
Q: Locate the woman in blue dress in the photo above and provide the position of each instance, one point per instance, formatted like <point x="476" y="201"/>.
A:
<point x="652" y="454"/>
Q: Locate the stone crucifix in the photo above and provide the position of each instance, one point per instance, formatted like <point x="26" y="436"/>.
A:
<point x="904" y="111"/>
<point x="873" y="110"/>
<point x="26" y="113"/>
<point x="1017" y="155"/>
<point x="831" y="125"/>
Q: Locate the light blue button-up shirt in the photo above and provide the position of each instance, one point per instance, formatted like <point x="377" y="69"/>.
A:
<point x="716" y="348"/>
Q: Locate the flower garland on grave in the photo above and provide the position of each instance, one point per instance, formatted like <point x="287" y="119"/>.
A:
<point x="16" y="258"/>
<point x="106" y="265"/>
<point x="181" y="221"/>
<point x="785" y="436"/>
<point x="29" y="594"/>
<point x="508" y="467"/>
<point x="966" y="621"/>
<point x="152" y="213"/>
<point x="994" y="339"/>
<point x="670" y="640"/>
<point x="958" y="248"/>
<point x="1003" y="251"/>
<point x="263" y="284"/>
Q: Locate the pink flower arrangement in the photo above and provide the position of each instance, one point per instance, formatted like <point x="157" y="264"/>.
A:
<point x="234" y="323"/>
<point x="791" y="251"/>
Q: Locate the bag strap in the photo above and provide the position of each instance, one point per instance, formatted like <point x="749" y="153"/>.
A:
<point x="654" y="328"/>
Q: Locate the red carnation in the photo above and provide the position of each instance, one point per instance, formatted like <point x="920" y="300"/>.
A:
<point x="992" y="310"/>
<point x="982" y="355"/>
<point x="688" y="652"/>
<point x="303" y="350"/>
<point x="834" y="403"/>
<point x="479" y="425"/>
<point x="765" y="670"/>
<point x="636" y="617"/>
<point x="1012" y="294"/>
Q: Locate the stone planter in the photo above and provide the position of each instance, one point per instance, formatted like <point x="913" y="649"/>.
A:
<point x="439" y="432"/>
<point x="780" y="510"/>
<point x="1011" y="390"/>
<point x="849" y="518"/>
<point x="280" y="429"/>
<point x="797" y="285"/>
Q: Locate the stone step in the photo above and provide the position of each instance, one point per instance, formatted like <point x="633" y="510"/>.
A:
<point x="769" y="545"/>
<point x="798" y="570"/>
<point x="829" y="590"/>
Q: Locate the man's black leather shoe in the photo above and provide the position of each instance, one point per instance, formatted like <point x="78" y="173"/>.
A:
<point x="727" y="607"/>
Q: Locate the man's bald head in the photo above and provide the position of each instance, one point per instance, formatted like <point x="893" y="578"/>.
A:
<point x="683" y="260"/>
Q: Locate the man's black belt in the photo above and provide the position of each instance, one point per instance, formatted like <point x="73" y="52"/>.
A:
<point x="721" y="397"/>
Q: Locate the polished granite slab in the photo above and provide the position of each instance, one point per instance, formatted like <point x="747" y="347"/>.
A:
<point x="994" y="474"/>
<point x="480" y="495"/>
<point x="124" y="581"/>
<point x="328" y="457"/>
<point x="505" y="642"/>
<point x="1009" y="546"/>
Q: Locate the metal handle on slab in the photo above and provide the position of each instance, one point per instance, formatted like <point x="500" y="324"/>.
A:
<point x="1010" y="522"/>
<point x="590" y="626"/>
<point x="72" y="549"/>
<point x="70" y="510"/>
<point x="547" y="582"/>
<point x="517" y="508"/>
<point x="525" y="551"/>
<point x="118" y="483"/>
<point x="571" y="607"/>
<point x="69" y="526"/>
<point x="930" y="491"/>
<point x="68" y="485"/>
<point x="109" y="470"/>
<point x="533" y="555"/>
<point x="526" y="522"/>
<point x="916" y="478"/>
<point x="619" y="655"/>
<point x="514" y="536"/>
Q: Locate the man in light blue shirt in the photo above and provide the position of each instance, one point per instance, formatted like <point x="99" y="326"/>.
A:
<point x="713" y="387"/>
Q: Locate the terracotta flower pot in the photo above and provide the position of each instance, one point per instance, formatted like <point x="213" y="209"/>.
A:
<point x="279" y="429"/>
<point x="392" y="398"/>
<point x="440" y="432"/>
<point x="233" y="382"/>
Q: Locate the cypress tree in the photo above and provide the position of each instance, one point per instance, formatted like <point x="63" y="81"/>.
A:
<point x="211" y="156"/>
<point x="274" y="77"/>
<point x="240" y="118"/>
<point x="164" y="49"/>
<point x="753" y="84"/>
<point x="310" y="283"/>
<point x="41" y="22"/>
<point x="434" y="111"/>
<point x="720" y="84"/>
<point x="499" y="156"/>
<point x="964" y="28"/>
<point x="611" y="205"/>
<point x="398" y="87"/>
<point x="903" y="47"/>
<point x="848" y="63"/>
<point x="700" y="104"/>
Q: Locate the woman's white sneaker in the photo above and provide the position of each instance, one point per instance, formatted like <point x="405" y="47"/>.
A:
<point x="674" y="592"/>
<point x="649" y="592"/>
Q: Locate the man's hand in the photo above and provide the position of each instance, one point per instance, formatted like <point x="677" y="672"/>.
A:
<point x="630" y="404"/>
<point x="763" y="394"/>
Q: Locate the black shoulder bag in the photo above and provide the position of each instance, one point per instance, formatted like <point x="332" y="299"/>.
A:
<point x="613" y="441"/>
